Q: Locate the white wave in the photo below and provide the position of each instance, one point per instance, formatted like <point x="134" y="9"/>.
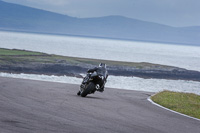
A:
<point x="120" y="82"/>
<point x="52" y="78"/>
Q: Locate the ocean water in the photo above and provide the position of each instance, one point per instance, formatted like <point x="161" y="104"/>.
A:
<point x="174" y="55"/>
<point x="119" y="82"/>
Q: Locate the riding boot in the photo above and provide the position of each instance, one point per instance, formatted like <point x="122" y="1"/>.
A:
<point x="101" y="89"/>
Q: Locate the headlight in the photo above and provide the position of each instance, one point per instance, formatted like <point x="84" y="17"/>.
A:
<point x="97" y="86"/>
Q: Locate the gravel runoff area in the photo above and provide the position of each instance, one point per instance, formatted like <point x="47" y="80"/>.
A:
<point x="46" y="107"/>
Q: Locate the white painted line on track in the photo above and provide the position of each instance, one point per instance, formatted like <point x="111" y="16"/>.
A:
<point x="149" y="99"/>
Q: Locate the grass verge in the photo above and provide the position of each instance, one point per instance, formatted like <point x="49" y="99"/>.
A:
<point x="13" y="56"/>
<point x="14" y="52"/>
<point x="186" y="103"/>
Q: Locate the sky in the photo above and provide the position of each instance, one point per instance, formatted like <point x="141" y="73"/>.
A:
<point x="177" y="13"/>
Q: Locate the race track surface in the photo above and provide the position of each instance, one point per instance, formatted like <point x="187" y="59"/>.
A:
<point x="28" y="106"/>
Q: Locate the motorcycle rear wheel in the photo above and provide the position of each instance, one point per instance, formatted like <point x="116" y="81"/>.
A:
<point x="88" y="89"/>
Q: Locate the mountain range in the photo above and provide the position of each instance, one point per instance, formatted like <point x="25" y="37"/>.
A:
<point x="21" y="18"/>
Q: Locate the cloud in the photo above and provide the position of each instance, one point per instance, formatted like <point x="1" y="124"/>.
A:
<point x="40" y="2"/>
<point x="47" y="2"/>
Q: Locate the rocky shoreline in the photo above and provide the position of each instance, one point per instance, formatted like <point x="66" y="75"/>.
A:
<point x="21" y="61"/>
<point x="76" y="70"/>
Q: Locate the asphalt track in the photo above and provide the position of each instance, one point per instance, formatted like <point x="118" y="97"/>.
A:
<point x="28" y="106"/>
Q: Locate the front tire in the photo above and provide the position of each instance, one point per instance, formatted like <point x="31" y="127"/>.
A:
<point x="78" y="93"/>
<point x="88" y="89"/>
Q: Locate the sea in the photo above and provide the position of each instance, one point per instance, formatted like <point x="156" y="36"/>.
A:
<point x="183" y="56"/>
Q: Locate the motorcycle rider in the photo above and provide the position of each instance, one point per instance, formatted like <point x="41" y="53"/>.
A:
<point x="100" y="70"/>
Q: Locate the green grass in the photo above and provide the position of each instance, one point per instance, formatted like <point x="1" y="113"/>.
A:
<point x="138" y="65"/>
<point x="15" y="56"/>
<point x="12" y="52"/>
<point x="186" y="103"/>
<point x="12" y="56"/>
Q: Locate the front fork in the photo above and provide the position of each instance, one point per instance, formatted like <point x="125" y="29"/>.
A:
<point x="84" y="82"/>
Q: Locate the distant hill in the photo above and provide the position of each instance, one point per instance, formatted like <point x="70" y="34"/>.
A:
<point x="21" y="18"/>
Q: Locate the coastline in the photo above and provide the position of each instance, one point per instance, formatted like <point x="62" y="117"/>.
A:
<point x="30" y="62"/>
<point x="76" y="71"/>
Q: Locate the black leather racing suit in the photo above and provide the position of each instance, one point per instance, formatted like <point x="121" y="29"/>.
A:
<point x="100" y="71"/>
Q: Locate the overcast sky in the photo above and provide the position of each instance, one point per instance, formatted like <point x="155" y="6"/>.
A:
<point x="170" y="12"/>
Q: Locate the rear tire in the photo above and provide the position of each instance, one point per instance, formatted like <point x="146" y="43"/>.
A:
<point x="88" y="89"/>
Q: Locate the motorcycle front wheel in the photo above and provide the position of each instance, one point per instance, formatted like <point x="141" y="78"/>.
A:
<point x="88" y="89"/>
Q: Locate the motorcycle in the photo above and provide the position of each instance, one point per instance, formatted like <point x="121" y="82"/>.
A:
<point x="91" y="83"/>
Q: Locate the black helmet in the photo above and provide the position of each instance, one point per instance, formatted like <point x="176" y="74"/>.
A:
<point x="102" y="65"/>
